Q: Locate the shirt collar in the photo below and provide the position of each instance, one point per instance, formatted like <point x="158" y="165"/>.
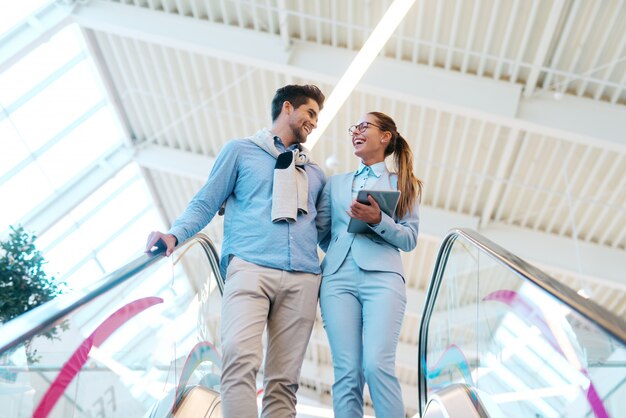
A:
<point x="377" y="169"/>
<point x="281" y="147"/>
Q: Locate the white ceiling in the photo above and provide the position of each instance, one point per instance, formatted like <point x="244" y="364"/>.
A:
<point x="515" y="111"/>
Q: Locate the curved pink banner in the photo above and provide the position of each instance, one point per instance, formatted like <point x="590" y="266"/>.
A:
<point x="75" y="363"/>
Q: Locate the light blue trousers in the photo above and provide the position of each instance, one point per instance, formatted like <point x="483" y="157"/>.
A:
<point x="363" y="313"/>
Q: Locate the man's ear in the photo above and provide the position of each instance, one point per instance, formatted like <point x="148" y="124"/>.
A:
<point x="287" y="107"/>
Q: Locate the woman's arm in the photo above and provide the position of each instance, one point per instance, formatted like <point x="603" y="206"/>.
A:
<point x="401" y="234"/>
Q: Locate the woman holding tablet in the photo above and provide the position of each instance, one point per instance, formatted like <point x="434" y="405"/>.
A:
<point x="363" y="295"/>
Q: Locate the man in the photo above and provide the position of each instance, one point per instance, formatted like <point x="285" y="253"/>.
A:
<point x="270" y="189"/>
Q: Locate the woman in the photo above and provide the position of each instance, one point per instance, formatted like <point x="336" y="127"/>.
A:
<point x="363" y="295"/>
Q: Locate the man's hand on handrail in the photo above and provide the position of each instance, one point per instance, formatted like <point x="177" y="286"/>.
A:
<point x="161" y="241"/>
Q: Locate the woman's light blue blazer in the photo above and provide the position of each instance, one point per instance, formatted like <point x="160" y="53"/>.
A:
<point x="376" y="251"/>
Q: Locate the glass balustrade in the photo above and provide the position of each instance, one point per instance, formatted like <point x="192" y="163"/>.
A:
<point x="513" y="340"/>
<point x="524" y="344"/>
<point x="130" y="351"/>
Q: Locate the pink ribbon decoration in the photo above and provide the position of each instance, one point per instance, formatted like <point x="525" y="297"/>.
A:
<point x="75" y="363"/>
<point x="526" y="309"/>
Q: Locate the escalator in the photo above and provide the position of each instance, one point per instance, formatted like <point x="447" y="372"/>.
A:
<point x="500" y="338"/>
<point x="142" y="342"/>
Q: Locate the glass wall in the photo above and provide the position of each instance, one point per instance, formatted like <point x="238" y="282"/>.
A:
<point x="56" y="125"/>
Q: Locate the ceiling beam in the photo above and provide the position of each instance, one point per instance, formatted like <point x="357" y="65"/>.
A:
<point x="181" y="32"/>
<point x="172" y="161"/>
<point x="492" y="100"/>
<point x="586" y="117"/>
<point x="420" y="84"/>
<point x="560" y="252"/>
<point x="110" y="89"/>
<point x="600" y="264"/>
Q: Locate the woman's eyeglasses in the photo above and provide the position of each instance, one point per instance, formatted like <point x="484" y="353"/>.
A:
<point x="361" y="127"/>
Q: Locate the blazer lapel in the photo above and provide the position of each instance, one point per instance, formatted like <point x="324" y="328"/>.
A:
<point x="346" y="190"/>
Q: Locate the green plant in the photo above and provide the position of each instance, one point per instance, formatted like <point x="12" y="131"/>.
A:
<point x="24" y="284"/>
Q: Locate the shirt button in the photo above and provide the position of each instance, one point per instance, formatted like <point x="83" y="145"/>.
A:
<point x="382" y="232"/>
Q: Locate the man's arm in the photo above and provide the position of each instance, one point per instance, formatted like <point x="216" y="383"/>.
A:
<point x="169" y="240"/>
<point x="204" y="204"/>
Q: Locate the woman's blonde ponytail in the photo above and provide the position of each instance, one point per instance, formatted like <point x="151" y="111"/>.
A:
<point x="409" y="185"/>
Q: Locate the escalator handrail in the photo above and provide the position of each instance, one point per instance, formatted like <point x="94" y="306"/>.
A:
<point x="214" y="258"/>
<point x="37" y="320"/>
<point x="605" y="319"/>
<point x="598" y="314"/>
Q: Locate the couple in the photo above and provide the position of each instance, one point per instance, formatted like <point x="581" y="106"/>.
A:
<point x="278" y="207"/>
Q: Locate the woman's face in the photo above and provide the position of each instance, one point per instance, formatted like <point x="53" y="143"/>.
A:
<point x="369" y="141"/>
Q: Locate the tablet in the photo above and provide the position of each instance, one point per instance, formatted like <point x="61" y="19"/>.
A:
<point x="386" y="199"/>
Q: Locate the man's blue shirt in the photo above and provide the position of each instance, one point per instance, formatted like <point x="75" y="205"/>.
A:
<point x="242" y="176"/>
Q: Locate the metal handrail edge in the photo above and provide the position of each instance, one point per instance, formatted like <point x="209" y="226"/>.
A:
<point x="433" y="289"/>
<point x="605" y="319"/>
<point x="43" y="317"/>
<point x="214" y="259"/>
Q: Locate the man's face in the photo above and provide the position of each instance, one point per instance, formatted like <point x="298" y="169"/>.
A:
<point x="303" y="120"/>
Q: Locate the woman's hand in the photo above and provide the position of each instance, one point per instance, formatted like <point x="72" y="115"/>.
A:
<point x="369" y="213"/>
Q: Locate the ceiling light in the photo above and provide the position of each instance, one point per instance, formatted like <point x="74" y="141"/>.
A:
<point x="360" y="64"/>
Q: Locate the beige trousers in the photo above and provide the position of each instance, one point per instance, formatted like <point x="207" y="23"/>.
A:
<point x="285" y="302"/>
